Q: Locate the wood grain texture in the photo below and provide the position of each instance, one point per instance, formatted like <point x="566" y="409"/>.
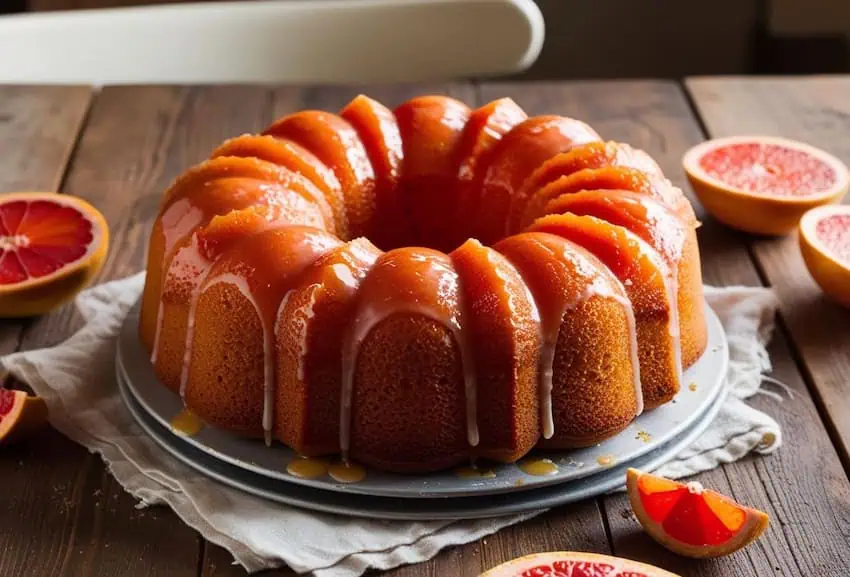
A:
<point x="62" y="514"/>
<point x="815" y="110"/>
<point x="136" y="141"/>
<point x="655" y="116"/>
<point x="39" y="126"/>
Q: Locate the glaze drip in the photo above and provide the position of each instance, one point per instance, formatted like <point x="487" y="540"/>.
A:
<point x="431" y="270"/>
<point x="301" y="321"/>
<point x="241" y="284"/>
<point x="552" y="316"/>
<point x="193" y="255"/>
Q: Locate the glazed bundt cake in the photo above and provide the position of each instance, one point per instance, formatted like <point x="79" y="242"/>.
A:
<point x="413" y="288"/>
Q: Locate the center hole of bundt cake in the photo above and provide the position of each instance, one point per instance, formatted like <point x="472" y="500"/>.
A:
<point x="429" y="220"/>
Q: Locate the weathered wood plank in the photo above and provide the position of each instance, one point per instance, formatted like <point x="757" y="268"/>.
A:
<point x="39" y="126"/>
<point x="815" y="110"/>
<point x="655" y="116"/>
<point x="579" y="526"/>
<point x="137" y="140"/>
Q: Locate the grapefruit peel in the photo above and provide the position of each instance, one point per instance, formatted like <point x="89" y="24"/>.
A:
<point x="574" y="564"/>
<point x="830" y="270"/>
<point x="66" y="273"/>
<point x="763" y="212"/>
<point x="706" y="524"/>
<point x="20" y="415"/>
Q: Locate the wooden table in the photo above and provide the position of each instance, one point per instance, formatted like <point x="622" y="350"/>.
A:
<point x="61" y="512"/>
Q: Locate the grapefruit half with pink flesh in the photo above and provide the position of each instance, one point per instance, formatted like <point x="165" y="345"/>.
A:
<point x="825" y="245"/>
<point x="20" y="414"/>
<point x="575" y="564"/>
<point x="51" y="246"/>
<point x="763" y="184"/>
<point x="689" y="519"/>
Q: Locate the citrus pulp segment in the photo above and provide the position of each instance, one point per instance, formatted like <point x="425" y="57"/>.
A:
<point x="825" y="246"/>
<point x="689" y="519"/>
<point x="574" y="564"/>
<point x="51" y="245"/>
<point x="763" y="184"/>
<point x="20" y="414"/>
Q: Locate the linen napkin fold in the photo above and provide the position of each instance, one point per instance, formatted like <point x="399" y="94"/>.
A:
<point x="76" y="379"/>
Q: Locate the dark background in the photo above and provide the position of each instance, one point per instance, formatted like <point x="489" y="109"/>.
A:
<point x="656" y="38"/>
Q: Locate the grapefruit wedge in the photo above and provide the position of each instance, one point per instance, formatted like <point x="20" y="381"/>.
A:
<point x="763" y="184"/>
<point x="51" y="245"/>
<point x="825" y="245"/>
<point x="574" y="564"/>
<point x="20" y="414"/>
<point x="690" y="520"/>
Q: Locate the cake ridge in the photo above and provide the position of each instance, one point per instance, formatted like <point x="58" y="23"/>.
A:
<point x="432" y="266"/>
<point x="268" y="360"/>
<point x="648" y="282"/>
<point x="583" y="265"/>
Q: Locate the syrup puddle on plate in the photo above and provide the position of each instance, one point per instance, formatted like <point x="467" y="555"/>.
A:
<point x="606" y="460"/>
<point x="538" y="467"/>
<point x="643" y="436"/>
<point x="343" y="472"/>
<point x="187" y="423"/>
<point x="307" y="467"/>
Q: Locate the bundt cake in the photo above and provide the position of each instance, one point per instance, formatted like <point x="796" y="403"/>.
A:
<point x="416" y="287"/>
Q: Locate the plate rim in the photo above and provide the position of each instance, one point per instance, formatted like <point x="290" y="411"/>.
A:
<point x="129" y="331"/>
<point x="466" y="507"/>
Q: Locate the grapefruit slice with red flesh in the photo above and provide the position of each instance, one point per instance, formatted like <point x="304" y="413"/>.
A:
<point x="763" y="184"/>
<point x="825" y="245"/>
<point x="690" y="520"/>
<point x="51" y="245"/>
<point x="574" y="564"/>
<point x="20" y="414"/>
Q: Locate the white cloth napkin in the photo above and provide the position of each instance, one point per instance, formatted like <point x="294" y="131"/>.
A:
<point x="76" y="380"/>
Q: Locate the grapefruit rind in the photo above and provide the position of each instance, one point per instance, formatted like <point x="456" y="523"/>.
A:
<point x="26" y="415"/>
<point x="831" y="275"/>
<point x="613" y="566"/>
<point x="745" y="532"/>
<point x="39" y="295"/>
<point x="759" y="213"/>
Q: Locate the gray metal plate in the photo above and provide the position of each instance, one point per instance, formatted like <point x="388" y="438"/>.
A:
<point x="651" y="431"/>
<point x="414" y="509"/>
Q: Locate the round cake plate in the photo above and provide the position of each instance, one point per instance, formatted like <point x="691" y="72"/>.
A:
<point x="450" y="508"/>
<point x="648" y="432"/>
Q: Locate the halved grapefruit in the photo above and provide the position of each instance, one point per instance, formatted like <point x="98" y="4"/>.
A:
<point x="763" y="184"/>
<point x="689" y="519"/>
<point x="20" y="414"/>
<point x="51" y="245"/>
<point x="574" y="564"/>
<point x="825" y="245"/>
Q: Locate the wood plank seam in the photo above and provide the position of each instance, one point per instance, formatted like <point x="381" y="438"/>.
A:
<point x="779" y="327"/>
<point x="66" y="164"/>
<point x="96" y="175"/>
<point x="808" y="378"/>
<point x="202" y="555"/>
<point x="828" y="422"/>
<point x="606" y="523"/>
